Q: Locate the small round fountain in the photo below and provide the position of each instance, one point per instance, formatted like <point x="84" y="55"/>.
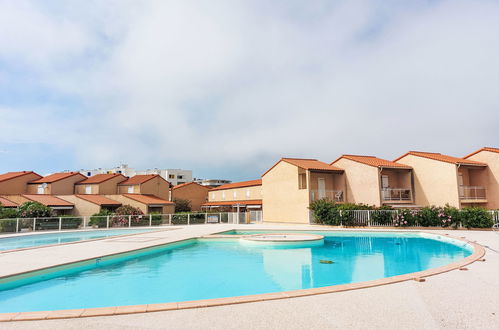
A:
<point x="297" y="240"/>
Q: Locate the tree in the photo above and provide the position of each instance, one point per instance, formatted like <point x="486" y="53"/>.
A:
<point x="182" y="205"/>
<point x="34" y="210"/>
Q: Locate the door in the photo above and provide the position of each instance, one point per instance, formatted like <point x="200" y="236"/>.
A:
<point x="460" y="182"/>
<point x="322" y="188"/>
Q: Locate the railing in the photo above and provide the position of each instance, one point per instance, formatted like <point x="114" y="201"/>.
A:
<point x="333" y="195"/>
<point x="16" y="225"/>
<point x="472" y="192"/>
<point x="396" y="194"/>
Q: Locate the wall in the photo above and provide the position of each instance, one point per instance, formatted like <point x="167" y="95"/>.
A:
<point x="158" y="187"/>
<point x="236" y="194"/>
<point x="82" y="208"/>
<point x="123" y="189"/>
<point x="435" y="182"/>
<point x="282" y="200"/>
<point x="194" y="193"/>
<point x="167" y="209"/>
<point x="107" y="187"/>
<point x="492" y="176"/>
<point x="17" y="185"/>
<point x="362" y="182"/>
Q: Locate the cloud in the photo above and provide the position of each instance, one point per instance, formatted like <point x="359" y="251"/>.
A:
<point x="234" y="84"/>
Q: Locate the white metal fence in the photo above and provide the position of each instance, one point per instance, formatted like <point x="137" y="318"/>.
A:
<point x="126" y="221"/>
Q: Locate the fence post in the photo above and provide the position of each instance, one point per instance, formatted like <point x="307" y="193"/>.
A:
<point x="84" y="222"/>
<point x="107" y="222"/>
<point x="150" y="220"/>
<point x="34" y="224"/>
<point x="129" y="221"/>
<point x="205" y="218"/>
<point x="17" y="225"/>
<point x="341" y="219"/>
<point x="188" y="218"/>
<point x="369" y="218"/>
<point x="220" y="217"/>
<point x="60" y="223"/>
<point x="170" y="219"/>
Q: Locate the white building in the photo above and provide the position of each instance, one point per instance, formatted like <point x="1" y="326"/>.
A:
<point x="174" y="176"/>
<point x="212" y="183"/>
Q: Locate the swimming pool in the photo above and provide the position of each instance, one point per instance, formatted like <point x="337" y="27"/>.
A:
<point x="26" y="241"/>
<point x="215" y="268"/>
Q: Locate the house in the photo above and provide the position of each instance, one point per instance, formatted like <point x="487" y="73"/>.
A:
<point x="56" y="184"/>
<point x="100" y="184"/>
<point x="146" y="203"/>
<point x="442" y="179"/>
<point x="4" y="202"/>
<point x="236" y="196"/>
<point x="375" y="181"/>
<point x="58" y="205"/>
<point x="195" y="193"/>
<point x="87" y="205"/>
<point x="12" y="183"/>
<point x="149" y="184"/>
<point x="489" y="156"/>
<point x="292" y="184"/>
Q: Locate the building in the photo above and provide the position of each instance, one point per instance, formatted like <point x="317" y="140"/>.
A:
<point x="58" y="205"/>
<point x="100" y="184"/>
<point x="195" y="193"/>
<point x="489" y="156"/>
<point x="375" y="181"/>
<point x="236" y="196"/>
<point x="442" y="179"/>
<point x="174" y="176"/>
<point x="56" y="184"/>
<point x="146" y="203"/>
<point x="292" y="184"/>
<point x="86" y="205"/>
<point x="149" y="184"/>
<point x="12" y="183"/>
<point x="212" y="183"/>
<point x="4" y="202"/>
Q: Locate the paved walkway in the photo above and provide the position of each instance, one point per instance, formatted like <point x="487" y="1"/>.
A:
<point x="454" y="300"/>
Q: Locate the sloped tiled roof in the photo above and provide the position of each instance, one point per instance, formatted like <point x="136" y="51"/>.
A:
<point x="139" y="179"/>
<point x="7" y="203"/>
<point x="99" y="178"/>
<point x="57" y="177"/>
<point x="482" y="149"/>
<point x="241" y="184"/>
<point x="187" y="184"/>
<point x="373" y="161"/>
<point x="308" y="164"/>
<point x="48" y="200"/>
<point x="12" y="175"/>
<point x="148" y="199"/>
<point x="99" y="200"/>
<point x="230" y="203"/>
<point x="442" y="158"/>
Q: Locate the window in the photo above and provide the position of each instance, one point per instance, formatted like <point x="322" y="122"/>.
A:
<point x="384" y="182"/>
<point x="118" y="171"/>
<point x="234" y="194"/>
<point x="248" y="193"/>
<point x="130" y="189"/>
<point x="180" y="182"/>
<point x="88" y="189"/>
<point x="89" y="173"/>
<point x="302" y="181"/>
<point x="171" y="176"/>
<point x="180" y="177"/>
<point x="212" y="196"/>
<point x="41" y="189"/>
<point x="223" y="194"/>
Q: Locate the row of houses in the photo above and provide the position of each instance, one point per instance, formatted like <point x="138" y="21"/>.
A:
<point x="415" y="179"/>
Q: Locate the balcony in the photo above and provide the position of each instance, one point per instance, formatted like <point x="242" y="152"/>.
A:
<point x="396" y="195"/>
<point x="472" y="193"/>
<point x="333" y="195"/>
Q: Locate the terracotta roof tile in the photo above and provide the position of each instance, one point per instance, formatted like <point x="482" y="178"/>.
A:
<point x="58" y="176"/>
<point x="441" y="158"/>
<point x="148" y="199"/>
<point x="7" y="203"/>
<point x="241" y="184"/>
<point x="139" y="179"/>
<point x="99" y="200"/>
<point x="373" y="161"/>
<point x="230" y="203"/>
<point x="99" y="178"/>
<point x="48" y="200"/>
<point x="307" y="164"/>
<point x="12" y="175"/>
<point x="482" y="149"/>
<point x="187" y="184"/>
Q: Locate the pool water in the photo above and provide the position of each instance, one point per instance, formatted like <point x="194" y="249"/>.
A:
<point x="25" y="241"/>
<point x="215" y="268"/>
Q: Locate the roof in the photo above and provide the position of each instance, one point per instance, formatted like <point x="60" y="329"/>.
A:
<point x="148" y="199"/>
<point x="442" y="158"/>
<point x="308" y="164"/>
<point x="241" y="184"/>
<point x="189" y="183"/>
<point x="57" y="177"/>
<point x="100" y="178"/>
<point x="373" y="161"/>
<point x="139" y="179"/>
<point x="7" y="203"/>
<point x="230" y="203"/>
<point x="12" y="175"/>
<point x="482" y="149"/>
<point x="99" y="200"/>
<point x="48" y="200"/>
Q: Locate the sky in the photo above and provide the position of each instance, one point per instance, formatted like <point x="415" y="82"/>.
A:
<point x="226" y="88"/>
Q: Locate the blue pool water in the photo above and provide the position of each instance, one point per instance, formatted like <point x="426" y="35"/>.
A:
<point x="25" y="241"/>
<point x="203" y="269"/>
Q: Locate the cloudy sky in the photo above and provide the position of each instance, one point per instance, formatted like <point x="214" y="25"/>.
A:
<point x="227" y="87"/>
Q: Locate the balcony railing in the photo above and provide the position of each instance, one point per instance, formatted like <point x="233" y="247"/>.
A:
<point x="396" y="194"/>
<point x="333" y="195"/>
<point x="472" y="192"/>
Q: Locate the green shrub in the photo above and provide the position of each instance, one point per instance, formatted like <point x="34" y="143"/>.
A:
<point x="428" y="217"/>
<point x="449" y="217"/>
<point x="182" y="205"/>
<point x="34" y="210"/>
<point x="121" y="217"/>
<point x="383" y="217"/>
<point x="70" y="222"/>
<point x="325" y="212"/>
<point x="100" y="219"/>
<point x="8" y="213"/>
<point x="476" y="217"/>
<point x="8" y="226"/>
<point x="406" y="218"/>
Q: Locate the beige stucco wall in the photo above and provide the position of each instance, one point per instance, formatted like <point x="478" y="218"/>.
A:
<point x="435" y="182"/>
<point x="17" y="185"/>
<point x="236" y="194"/>
<point x="167" y="209"/>
<point x="61" y="187"/>
<point x="362" y="182"/>
<point x="492" y="176"/>
<point x="194" y="193"/>
<point x="82" y="208"/>
<point x="158" y="187"/>
<point x="107" y="187"/>
<point x="282" y="200"/>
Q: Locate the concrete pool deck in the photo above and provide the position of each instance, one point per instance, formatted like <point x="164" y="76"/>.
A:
<point x="457" y="299"/>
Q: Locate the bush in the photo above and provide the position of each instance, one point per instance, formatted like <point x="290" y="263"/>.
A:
<point x="34" y="210"/>
<point x="100" y="219"/>
<point x="70" y="222"/>
<point x="8" y="226"/>
<point x="121" y="219"/>
<point x="325" y="212"/>
<point x="182" y="205"/>
<point x="8" y="213"/>
<point x="476" y="217"/>
<point x="406" y="218"/>
<point x="382" y="217"/>
<point x="449" y="217"/>
<point x="428" y="217"/>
